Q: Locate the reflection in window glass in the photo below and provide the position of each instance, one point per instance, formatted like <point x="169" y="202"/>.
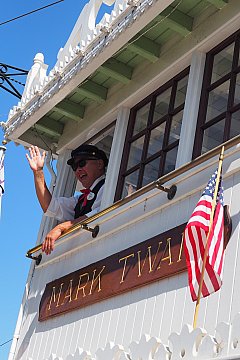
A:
<point x="105" y="142"/>
<point x="141" y="119"/>
<point x="220" y="97"/>
<point x="175" y="127"/>
<point x="213" y="136"/>
<point x="222" y="64"/>
<point x="217" y="102"/>
<point x="135" y="152"/>
<point x="160" y="126"/>
<point x="151" y="172"/>
<point x="181" y="92"/>
<point x="130" y="184"/>
<point x="235" y="124"/>
<point x="156" y="139"/>
<point x="237" y="91"/>
<point x="162" y="105"/>
<point x="170" y="161"/>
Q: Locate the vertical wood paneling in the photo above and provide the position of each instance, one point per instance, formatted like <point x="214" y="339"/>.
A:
<point x="158" y="309"/>
<point x="168" y="310"/>
<point x="89" y="332"/>
<point x="98" y="331"/>
<point x="179" y="305"/>
<point x="105" y="328"/>
<point x="113" y="325"/>
<point x="149" y="310"/>
<point x="130" y="320"/>
<point x="121" y="326"/>
<point x="232" y="266"/>
<point x="72" y="337"/>
<point x="139" y="315"/>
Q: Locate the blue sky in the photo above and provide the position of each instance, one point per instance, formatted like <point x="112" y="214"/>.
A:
<point x="45" y="31"/>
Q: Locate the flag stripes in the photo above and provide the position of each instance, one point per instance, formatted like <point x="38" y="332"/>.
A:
<point x="195" y="241"/>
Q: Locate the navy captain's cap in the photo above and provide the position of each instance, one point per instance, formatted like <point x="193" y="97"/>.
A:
<point x="88" y="152"/>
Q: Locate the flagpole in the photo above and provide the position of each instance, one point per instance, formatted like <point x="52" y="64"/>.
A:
<point x="207" y="242"/>
<point x="2" y="151"/>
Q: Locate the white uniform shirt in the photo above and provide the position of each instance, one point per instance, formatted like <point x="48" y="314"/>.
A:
<point x="62" y="208"/>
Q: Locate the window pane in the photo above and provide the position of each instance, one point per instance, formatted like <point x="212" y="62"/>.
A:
<point x="141" y="119"/>
<point x="151" y="172"/>
<point x="181" y="92"/>
<point x="162" y="104"/>
<point x="235" y="124"/>
<point x="213" y="136"/>
<point x="170" y="161"/>
<point x="217" y="102"/>
<point x="175" y="127"/>
<point x="237" y="91"/>
<point x="222" y="63"/>
<point x="105" y="141"/>
<point x="156" y="139"/>
<point x="135" y="152"/>
<point x="130" y="184"/>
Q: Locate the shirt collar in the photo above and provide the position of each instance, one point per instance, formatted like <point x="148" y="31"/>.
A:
<point x="97" y="181"/>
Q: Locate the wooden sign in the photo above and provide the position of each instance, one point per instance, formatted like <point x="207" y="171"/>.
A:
<point x="154" y="259"/>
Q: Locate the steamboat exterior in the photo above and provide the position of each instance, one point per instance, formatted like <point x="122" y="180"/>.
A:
<point x="155" y="84"/>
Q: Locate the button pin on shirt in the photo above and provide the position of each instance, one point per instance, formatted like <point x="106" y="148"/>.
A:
<point x="90" y="196"/>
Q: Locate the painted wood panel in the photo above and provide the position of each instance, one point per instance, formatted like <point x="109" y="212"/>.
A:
<point x="158" y="309"/>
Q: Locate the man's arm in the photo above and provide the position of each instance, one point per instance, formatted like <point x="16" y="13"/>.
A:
<point x="36" y="162"/>
<point x="56" y="232"/>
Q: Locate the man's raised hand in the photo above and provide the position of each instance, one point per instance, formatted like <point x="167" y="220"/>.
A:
<point x="36" y="159"/>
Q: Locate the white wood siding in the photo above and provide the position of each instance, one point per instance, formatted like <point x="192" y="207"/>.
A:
<point x="157" y="309"/>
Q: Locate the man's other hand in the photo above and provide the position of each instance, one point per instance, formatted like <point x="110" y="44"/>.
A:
<point x="50" y="239"/>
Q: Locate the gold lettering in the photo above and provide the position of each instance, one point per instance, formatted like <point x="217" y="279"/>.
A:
<point x="53" y="296"/>
<point x="95" y="279"/>
<point x="155" y="257"/>
<point x="148" y="254"/>
<point x="83" y="286"/>
<point x="125" y="264"/>
<point x="169" y="257"/>
<point x="70" y="293"/>
<point x="181" y="247"/>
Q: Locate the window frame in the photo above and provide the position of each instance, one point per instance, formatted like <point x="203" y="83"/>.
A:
<point x="207" y="87"/>
<point x="146" y="132"/>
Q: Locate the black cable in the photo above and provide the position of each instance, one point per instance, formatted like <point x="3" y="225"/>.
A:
<point x="31" y="12"/>
<point x="6" y="342"/>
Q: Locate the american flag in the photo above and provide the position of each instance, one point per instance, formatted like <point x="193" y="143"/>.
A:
<point x="195" y="235"/>
<point x="1" y="174"/>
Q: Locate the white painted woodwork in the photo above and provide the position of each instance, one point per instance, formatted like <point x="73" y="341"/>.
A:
<point x="146" y="79"/>
<point x="115" y="157"/>
<point x="155" y="321"/>
<point x="191" y="106"/>
<point x="159" y="309"/>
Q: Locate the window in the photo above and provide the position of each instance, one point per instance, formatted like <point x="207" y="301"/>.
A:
<point x="103" y="140"/>
<point x="153" y="134"/>
<point x="219" y="111"/>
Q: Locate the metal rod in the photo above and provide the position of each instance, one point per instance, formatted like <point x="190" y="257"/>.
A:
<point x="155" y="184"/>
<point x="36" y="258"/>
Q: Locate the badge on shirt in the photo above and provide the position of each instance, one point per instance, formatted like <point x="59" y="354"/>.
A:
<point x="90" y="196"/>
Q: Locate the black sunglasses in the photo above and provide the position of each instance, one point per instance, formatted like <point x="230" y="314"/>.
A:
<point x="79" y="163"/>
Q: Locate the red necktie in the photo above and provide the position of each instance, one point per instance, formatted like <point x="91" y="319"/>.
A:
<point x="85" y="193"/>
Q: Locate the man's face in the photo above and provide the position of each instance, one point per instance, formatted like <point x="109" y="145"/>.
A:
<point x="89" y="172"/>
